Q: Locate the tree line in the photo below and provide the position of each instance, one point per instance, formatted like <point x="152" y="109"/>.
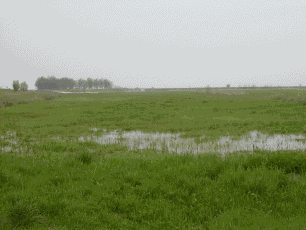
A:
<point x="53" y="83"/>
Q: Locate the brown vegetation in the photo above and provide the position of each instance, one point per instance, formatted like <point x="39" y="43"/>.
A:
<point x="11" y="97"/>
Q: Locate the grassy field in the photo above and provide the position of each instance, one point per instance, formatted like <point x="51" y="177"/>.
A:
<point x="50" y="180"/>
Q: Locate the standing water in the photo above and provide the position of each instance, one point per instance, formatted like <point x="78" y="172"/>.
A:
<point x="173" y="143"/>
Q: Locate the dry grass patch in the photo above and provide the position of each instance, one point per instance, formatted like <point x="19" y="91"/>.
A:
<point x="11" y="97"/>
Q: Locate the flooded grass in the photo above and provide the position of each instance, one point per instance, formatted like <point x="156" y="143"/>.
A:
<point x="173" y="143"/>
<point x="154" y="161"/>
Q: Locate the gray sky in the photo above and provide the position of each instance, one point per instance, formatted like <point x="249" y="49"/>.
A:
<point x="143" y="43"/>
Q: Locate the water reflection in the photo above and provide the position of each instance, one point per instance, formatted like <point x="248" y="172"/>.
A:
<point x="173" y="143"/>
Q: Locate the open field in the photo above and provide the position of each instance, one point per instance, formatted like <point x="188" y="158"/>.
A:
<point x="217" y="159"/>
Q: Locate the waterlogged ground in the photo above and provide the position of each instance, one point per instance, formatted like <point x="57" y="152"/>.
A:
<point x="169" y="122"/>
<point x="173" y="143"/>
<point x="121" y="189"/>
<point x="74" y="92"/>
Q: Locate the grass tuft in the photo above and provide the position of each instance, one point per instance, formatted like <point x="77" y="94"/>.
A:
<point x="85" y="158"/>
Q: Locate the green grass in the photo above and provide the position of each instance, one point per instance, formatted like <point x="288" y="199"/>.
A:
<point x="64" y="184"/>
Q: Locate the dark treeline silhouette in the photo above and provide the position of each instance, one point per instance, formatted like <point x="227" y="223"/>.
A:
<point x="53" y="83"/>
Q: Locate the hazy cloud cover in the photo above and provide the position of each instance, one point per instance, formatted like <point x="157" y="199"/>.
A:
<point x="171" y="43"/>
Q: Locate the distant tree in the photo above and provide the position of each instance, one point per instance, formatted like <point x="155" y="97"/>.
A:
<point x="92" y="83"/>
<point x="82" y="83"/>
<point x="85" y="84"/>
<point x="16" y="85"/>
<point x="108" y="84"/>
<point x="24" y="86"/>
<point x="41" y="83"/>
<point x="66" y="83"/>
<point x="70" y="83"/>
<point x="54" y="83"/>
<point x="89" y="82"/>
<point x="96" y="83"/>
<point x="228" y="86"/>
<point x="101" y="83"/>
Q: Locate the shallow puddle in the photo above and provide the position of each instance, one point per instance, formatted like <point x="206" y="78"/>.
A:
<point x="173" y="143"/>
<point x="74" y="92"/>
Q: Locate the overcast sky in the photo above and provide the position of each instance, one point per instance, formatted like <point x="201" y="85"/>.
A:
<point x="155" y="43"/>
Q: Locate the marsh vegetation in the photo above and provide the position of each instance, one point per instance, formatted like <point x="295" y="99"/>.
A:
<point x="153" y="160"/>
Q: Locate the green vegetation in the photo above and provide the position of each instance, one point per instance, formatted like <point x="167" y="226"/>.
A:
<point x="23" y="86"/>
<point x="53" y="83"/>
<point x="66" y="184"/>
